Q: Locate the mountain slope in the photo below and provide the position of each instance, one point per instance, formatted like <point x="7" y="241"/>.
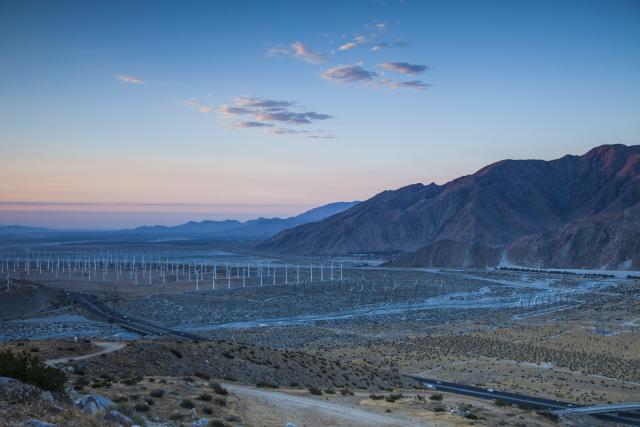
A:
<point x="493" y="207"/>
<point x="603" y="241"/>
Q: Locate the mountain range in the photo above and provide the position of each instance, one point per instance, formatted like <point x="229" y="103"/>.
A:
<point x="255" y="229"/>
<point x="575" y="211"/>
<point x="260" y="228"/>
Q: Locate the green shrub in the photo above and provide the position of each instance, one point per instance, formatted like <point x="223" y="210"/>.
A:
<point x="29" y="369"/>
<point x="141" y="407"/>
<point x="266" y="384"/>
<point x="549" y="415"/>
<point x="346" y="392"/>
<point x="220" y="401"/>
<point x="187" y="404"/>
<point x="205" y="397"/>
<point x="218" y="389"/>
<point x="436" y="397"/>
<point x="157" y="393"/>
<point x="315" y="391"/>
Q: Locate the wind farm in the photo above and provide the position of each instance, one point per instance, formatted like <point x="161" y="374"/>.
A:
<point x="364" y="213"/>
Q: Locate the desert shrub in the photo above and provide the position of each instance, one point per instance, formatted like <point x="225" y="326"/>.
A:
<point x="266" y="384"/>
<point x="176" y="353"/>
<point x="470" y="416"/>
<point x="201" y="375"/>
<point x="157" y="393"/>
<point x="501" y="402"/>
<point x="315" y="391"/>
<point x="549" y="415"/>
<point x="230" y="378"/>
<point x="346" y="392"/>
<point x="207" y="410"/>
<point x="393" y="397"/>
<point x="227" y="354"/>
<point x="205" y="397"/>
<point x="437" y="397"/>
<point x="218" y="389"/>
<point x="188" y="379"/>
<point x="129" y="381"/>
<point x="187" y="404"/>
<point x="141" y="407"/>
<point x="29" y="369"/>
<point x="149" y="401"/>
<point x="220" y="401"/>
<point x="119" y="399"/>
<point x="294" y="384"/>
<point x="329" y="390"/>
<point x="438" y="409"/>
<point x="217" y="423"/>
<point x="376" y="396"/>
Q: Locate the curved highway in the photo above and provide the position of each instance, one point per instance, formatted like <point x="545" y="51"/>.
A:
<point x="99" y="309"/>
<point x="527" y="401"/>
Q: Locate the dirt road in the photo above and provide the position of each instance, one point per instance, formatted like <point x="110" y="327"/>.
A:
<point x="106" y="347"/>
<point x="273" y="407"/>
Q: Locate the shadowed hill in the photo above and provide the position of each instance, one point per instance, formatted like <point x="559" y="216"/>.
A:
<point x="492" y="208"/>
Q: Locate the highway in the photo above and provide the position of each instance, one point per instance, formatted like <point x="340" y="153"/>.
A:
<point x="529" y="401"/>
<point x="99" y="309"/>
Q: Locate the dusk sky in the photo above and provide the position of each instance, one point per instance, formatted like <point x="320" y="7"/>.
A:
<point x="118" y="114"/>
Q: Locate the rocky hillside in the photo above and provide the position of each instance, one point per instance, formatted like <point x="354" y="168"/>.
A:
<point x="492" y="208"/>
<point x="604" y="241"/>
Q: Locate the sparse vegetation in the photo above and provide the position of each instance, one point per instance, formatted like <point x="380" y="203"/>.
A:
<point x="31" y="370"/>
<point x="266" y="384"/>
<point x="218" y="389"/>
<point x="187" y="404"/>
<point x="314" y="391"/>
<point x="205" y="397"/>
<point x="157" y="393"/>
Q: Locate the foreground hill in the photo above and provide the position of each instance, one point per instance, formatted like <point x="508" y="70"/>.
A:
<point x="473" y="219"/>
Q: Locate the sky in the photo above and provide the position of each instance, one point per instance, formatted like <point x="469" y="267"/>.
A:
<point x="118" y="114"/>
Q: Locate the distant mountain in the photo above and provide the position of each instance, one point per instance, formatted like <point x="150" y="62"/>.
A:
<point x="260" y="228"/>
<point x="472" y="219"/>
<point x="191" y="227"/>
<point x="11" y="230"/>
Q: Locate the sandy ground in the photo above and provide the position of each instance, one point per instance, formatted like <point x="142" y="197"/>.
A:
<point x="273" y="407"/>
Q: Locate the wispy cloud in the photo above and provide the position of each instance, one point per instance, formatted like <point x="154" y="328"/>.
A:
<point x="381" y="26"/>
<point x="296" y="50"/>
<point x="403" y="67"/>
<point x="262" y="103"/>
<point x="378" y="46"/>
<point x="271" y="115"/>
<point x="413" y="84"/>
<point x="130" y="79"/>
<point x="400" y="43"/>
<point x="303" y="52"/>
<point x="312" y="134"/>
<point x="348" y="74"/>
<point x="203" y="108"/>
<point x="250" y="124"/>
<point x="347" y="46"/>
